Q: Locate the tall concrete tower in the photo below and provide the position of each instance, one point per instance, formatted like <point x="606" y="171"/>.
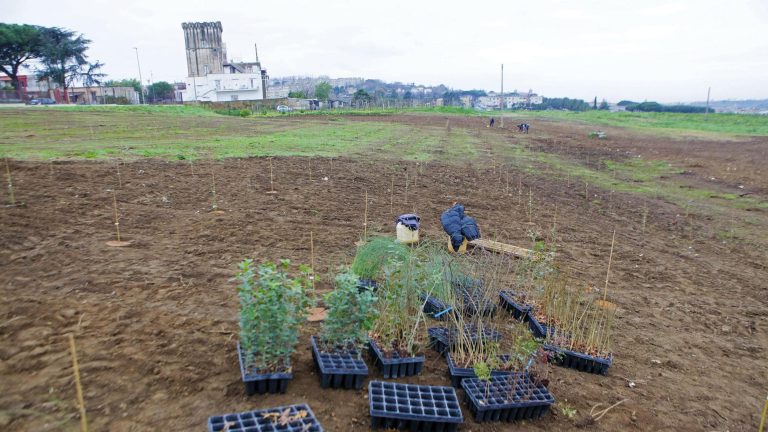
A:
<point x="205" y="51"/>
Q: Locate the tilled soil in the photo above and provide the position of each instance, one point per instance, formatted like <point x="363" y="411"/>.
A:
<point x="156" y="322"/>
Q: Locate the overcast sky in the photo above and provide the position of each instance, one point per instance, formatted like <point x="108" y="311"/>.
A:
<point x="665" y="50"/>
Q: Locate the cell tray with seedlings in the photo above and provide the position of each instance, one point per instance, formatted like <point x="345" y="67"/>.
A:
<point x="368" y="284"/>
<point x="256" y="383"/>
<point x="434" y="307"/>
<point x="293" y="418"/>
<point x="395" y="366"/>
<point x="441" y="339"/>
<point x="413" y="407"/>
<point x="458" y="374"/>
<point x="519" y="311"/>
<point x="579" y="361"/>
<point x="339" y="369"/>
<point x="469" y="291"/>
<point x="538" y="329"/>
<point x="506" y="398"/>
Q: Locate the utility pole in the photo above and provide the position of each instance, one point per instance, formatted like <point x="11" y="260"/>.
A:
<point x="141" y="83"/>
<point x="706" y="111"/>
<point x="502" y="95"/>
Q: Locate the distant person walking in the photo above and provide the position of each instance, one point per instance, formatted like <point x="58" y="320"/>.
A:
<point x="523" y="127"/>
<point x="492" y="122"/>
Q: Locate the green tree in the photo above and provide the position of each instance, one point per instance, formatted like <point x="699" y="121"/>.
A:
<point x="603" y="105"/>
<point x="160" y="90"/>
<point x="63" y="57"/>
<point x="361" y="96"/>
<point x="19" y="43"/>
<point x="298" y="94"/>
<point x="132" y="82"/>
<point x="594" y="104"/>
<point x="323" y="91"/>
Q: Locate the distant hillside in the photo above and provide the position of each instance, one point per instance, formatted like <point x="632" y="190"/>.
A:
<point x="749" y="105"/>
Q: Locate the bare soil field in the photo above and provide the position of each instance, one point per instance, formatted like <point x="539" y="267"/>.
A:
<point x="156" y="322"/>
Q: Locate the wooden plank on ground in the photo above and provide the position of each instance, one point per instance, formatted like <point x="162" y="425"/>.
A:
<point x="499" y="247"/>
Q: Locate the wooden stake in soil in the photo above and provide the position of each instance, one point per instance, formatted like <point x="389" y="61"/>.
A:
<point x="406" y="189"/>
<point x="608" y="273"/>
<point x="10" y="183"/>
<point x="271" y="179"/>
<point x="365" y="218"/>
<point x="765" y="413"/>
<point x="214" y="205"/>
<point x="312" y="256"/>
<point x="119" y="242"/>
<point x="310" y="169"/>
<point x="392" y="197"/>
<point x="78" y="386"/>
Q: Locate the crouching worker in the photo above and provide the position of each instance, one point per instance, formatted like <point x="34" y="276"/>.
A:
<point x="459" y="227"/>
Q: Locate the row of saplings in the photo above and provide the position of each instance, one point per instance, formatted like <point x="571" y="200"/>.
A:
<point x="395" y="301"/>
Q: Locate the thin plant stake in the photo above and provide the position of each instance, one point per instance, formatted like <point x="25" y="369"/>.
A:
<point x="312" y="256"/>
<point x="310" y="170"/>
<point x="365" y="218"/>
<point x="78" y="386"/>
<point x="765" y="413"/>
<point x="392" y="197"/>
<point x="271" y="178"/>
<point x="10" y="183"/>
<point x="213" y="189"/>
<point x="119" y="178"/>
<point x="406" y="189"/>
<point x="608" y="273"/>
<point x="117" y="218"/>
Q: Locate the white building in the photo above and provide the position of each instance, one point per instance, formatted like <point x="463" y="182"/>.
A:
<point x="224" y="87"/>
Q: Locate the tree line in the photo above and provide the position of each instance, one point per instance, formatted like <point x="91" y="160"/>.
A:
<point x="657" y="107"/>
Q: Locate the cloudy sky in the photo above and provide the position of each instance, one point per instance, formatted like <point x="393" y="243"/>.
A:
<point x="665" y="50"/>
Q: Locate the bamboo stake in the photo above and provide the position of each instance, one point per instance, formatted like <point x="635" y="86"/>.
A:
<point x="365" y="218"/>
<point x="271" y="177"/>
<point x="608" y="273"/>
<point x="765" y="413"/>
<point x="10" y="183"/>
<point x="119" y="178"/>
<point x="392" y="197"/>
<point x="312" y="256"/>
<point x="530" y="206"/>
<point x="117" y="219"/>
<point x="213" y="188"/>
<point x="310" y="170"/>
<point x="406" y="189"/>
<point x="78" y="386"/>
<point x="586" y="192"/>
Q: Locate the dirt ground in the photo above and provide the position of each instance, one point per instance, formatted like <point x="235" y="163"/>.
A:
<point x="156" y="322"/>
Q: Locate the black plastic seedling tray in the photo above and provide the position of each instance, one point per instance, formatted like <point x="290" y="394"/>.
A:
<point x="506" y="398"/>
<point x="256" y="383"/>
<point x="441" y="339"/>
<point x="579" y="361"/>
<point x="458" y="374"/>
<point x="435" y="307"/>
<point x="395" y="366"/>
<point x="299" y="418"/>
<point x="340" y="369"/>
<point x="519" y="311"/>
<point x="473" y="302"/>
<point x="413" y="407"/>
<point x="368" y="284"/>
<point x="538" y="329"/>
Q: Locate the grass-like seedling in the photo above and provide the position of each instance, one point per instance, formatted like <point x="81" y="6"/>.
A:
<point x="273" y="305"/>
<point x="372" y="256"/>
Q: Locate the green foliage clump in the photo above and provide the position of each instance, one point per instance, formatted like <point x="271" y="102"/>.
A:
<point x="272" y="307"/>
<point x="351" y="314"/>
<point x="375" y="254"/>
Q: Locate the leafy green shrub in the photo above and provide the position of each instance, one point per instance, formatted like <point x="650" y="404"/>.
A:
<point x="245" y="112"/>
<point x="375" y="254"/>
<point x="272" y="307"/>
<point x="351" y="314"/>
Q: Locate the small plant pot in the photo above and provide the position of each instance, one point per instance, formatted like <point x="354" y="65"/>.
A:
<point x="395" y="366"/>
<point x="256" y="383"/>
<point x="518" y="311"/>
<point x="435" y="307"/>
<point x="300" y="418"/>
<point x="579" y="361"/>
<point x="413" y="407"/>
<point x="538" y="329"/>
<point x="340" y="369"/>
<point x="458" y="374"/>
<point x="441" y="339"/>
<point x="506" y="398"/>
<point x="368" y="284"/>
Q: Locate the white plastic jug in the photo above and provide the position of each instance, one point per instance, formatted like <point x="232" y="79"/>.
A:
<point x="406" y="235"/>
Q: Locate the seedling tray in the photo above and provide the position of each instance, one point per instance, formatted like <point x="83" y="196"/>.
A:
<point x="519" y="311"/>
<point x="458" y="374"/>
<point x="395" y="366"/>
<point x="474" y="302"/>
<point x="538" y="329"/>
<point x="256" y="383"/>
<point x="441" y="339"/>
<point x="368" y="284"/>
<point x="579" y="361"/>
<point x="434" y="306"/>
<point x="340" y="369"/>
<point x="413" y="407"/>
<point x="299" y="418"/>
<point x="506" y="398"/>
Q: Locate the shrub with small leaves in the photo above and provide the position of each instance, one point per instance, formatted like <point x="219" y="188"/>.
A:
<point x="351" y="315"/>
<point x="272" y="308"/>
